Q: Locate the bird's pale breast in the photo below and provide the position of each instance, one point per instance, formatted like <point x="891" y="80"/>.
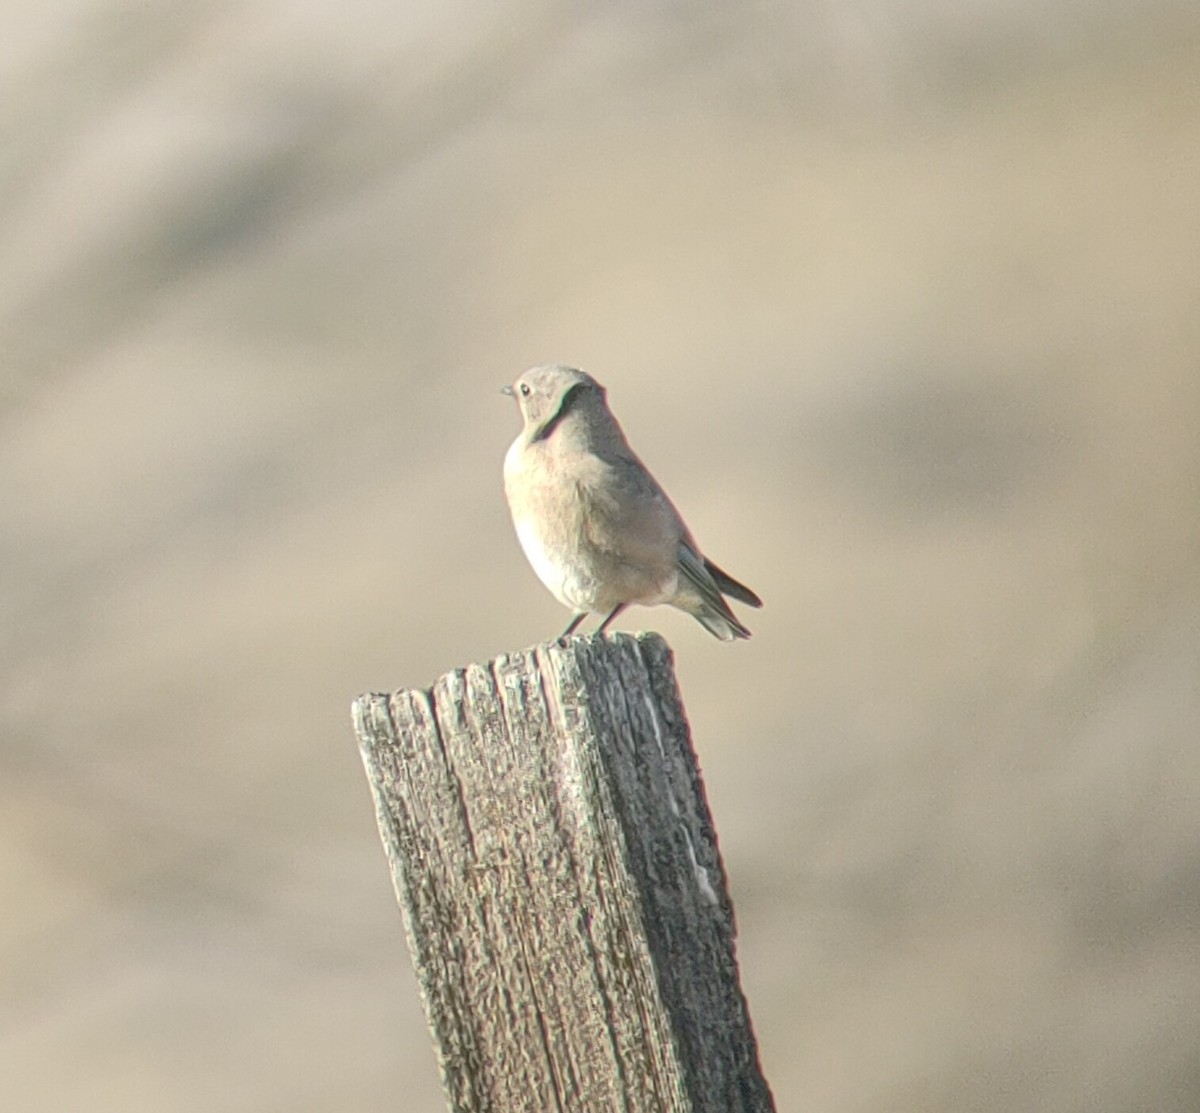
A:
<point x="591" y="547"/>
<point x="547" y="515"/>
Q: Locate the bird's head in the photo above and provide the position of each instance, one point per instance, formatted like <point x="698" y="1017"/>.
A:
<point x="547" y="395"/>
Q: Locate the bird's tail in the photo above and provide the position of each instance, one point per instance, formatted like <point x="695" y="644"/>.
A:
<point x="724" y="626"/>
<point x="704" y="601"/>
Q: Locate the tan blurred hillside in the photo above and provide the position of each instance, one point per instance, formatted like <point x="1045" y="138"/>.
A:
<point x="898" y="301"/>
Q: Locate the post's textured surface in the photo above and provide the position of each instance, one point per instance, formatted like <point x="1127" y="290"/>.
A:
<point x="558" y="872"/>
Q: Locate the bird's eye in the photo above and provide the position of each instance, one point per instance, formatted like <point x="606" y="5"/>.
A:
<point x="524" y="388"/>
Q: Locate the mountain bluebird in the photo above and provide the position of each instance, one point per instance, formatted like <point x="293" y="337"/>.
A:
<point x="599" y="531"/>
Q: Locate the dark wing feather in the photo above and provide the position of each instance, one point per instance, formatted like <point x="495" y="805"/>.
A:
<point x="715" y="614"/>
<point x="729" y="586"/>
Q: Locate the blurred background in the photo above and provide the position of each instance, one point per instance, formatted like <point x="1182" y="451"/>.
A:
<point x="899" y="301"/>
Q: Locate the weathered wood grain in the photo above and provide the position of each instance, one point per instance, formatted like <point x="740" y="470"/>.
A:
<point x="564" y="899"/>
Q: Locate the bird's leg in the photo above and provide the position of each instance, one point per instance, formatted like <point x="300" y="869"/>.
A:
<point x="611" y="615"/>
<point x="573" y="626"/>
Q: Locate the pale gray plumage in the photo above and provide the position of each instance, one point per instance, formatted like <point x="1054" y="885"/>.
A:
<point x="599" y="531"/>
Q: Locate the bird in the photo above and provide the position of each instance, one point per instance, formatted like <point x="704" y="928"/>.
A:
<point x="593" y="522"/>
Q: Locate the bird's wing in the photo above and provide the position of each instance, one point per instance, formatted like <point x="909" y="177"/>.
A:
<point x="691" y="564"/>
<point x="628" y="515"/>
<point x="731" y="587"/>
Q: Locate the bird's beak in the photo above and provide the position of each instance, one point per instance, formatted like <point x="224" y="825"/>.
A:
<point x="507" y="390"/>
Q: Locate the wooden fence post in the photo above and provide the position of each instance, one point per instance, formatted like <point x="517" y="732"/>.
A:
<point x="563" y="895"/>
